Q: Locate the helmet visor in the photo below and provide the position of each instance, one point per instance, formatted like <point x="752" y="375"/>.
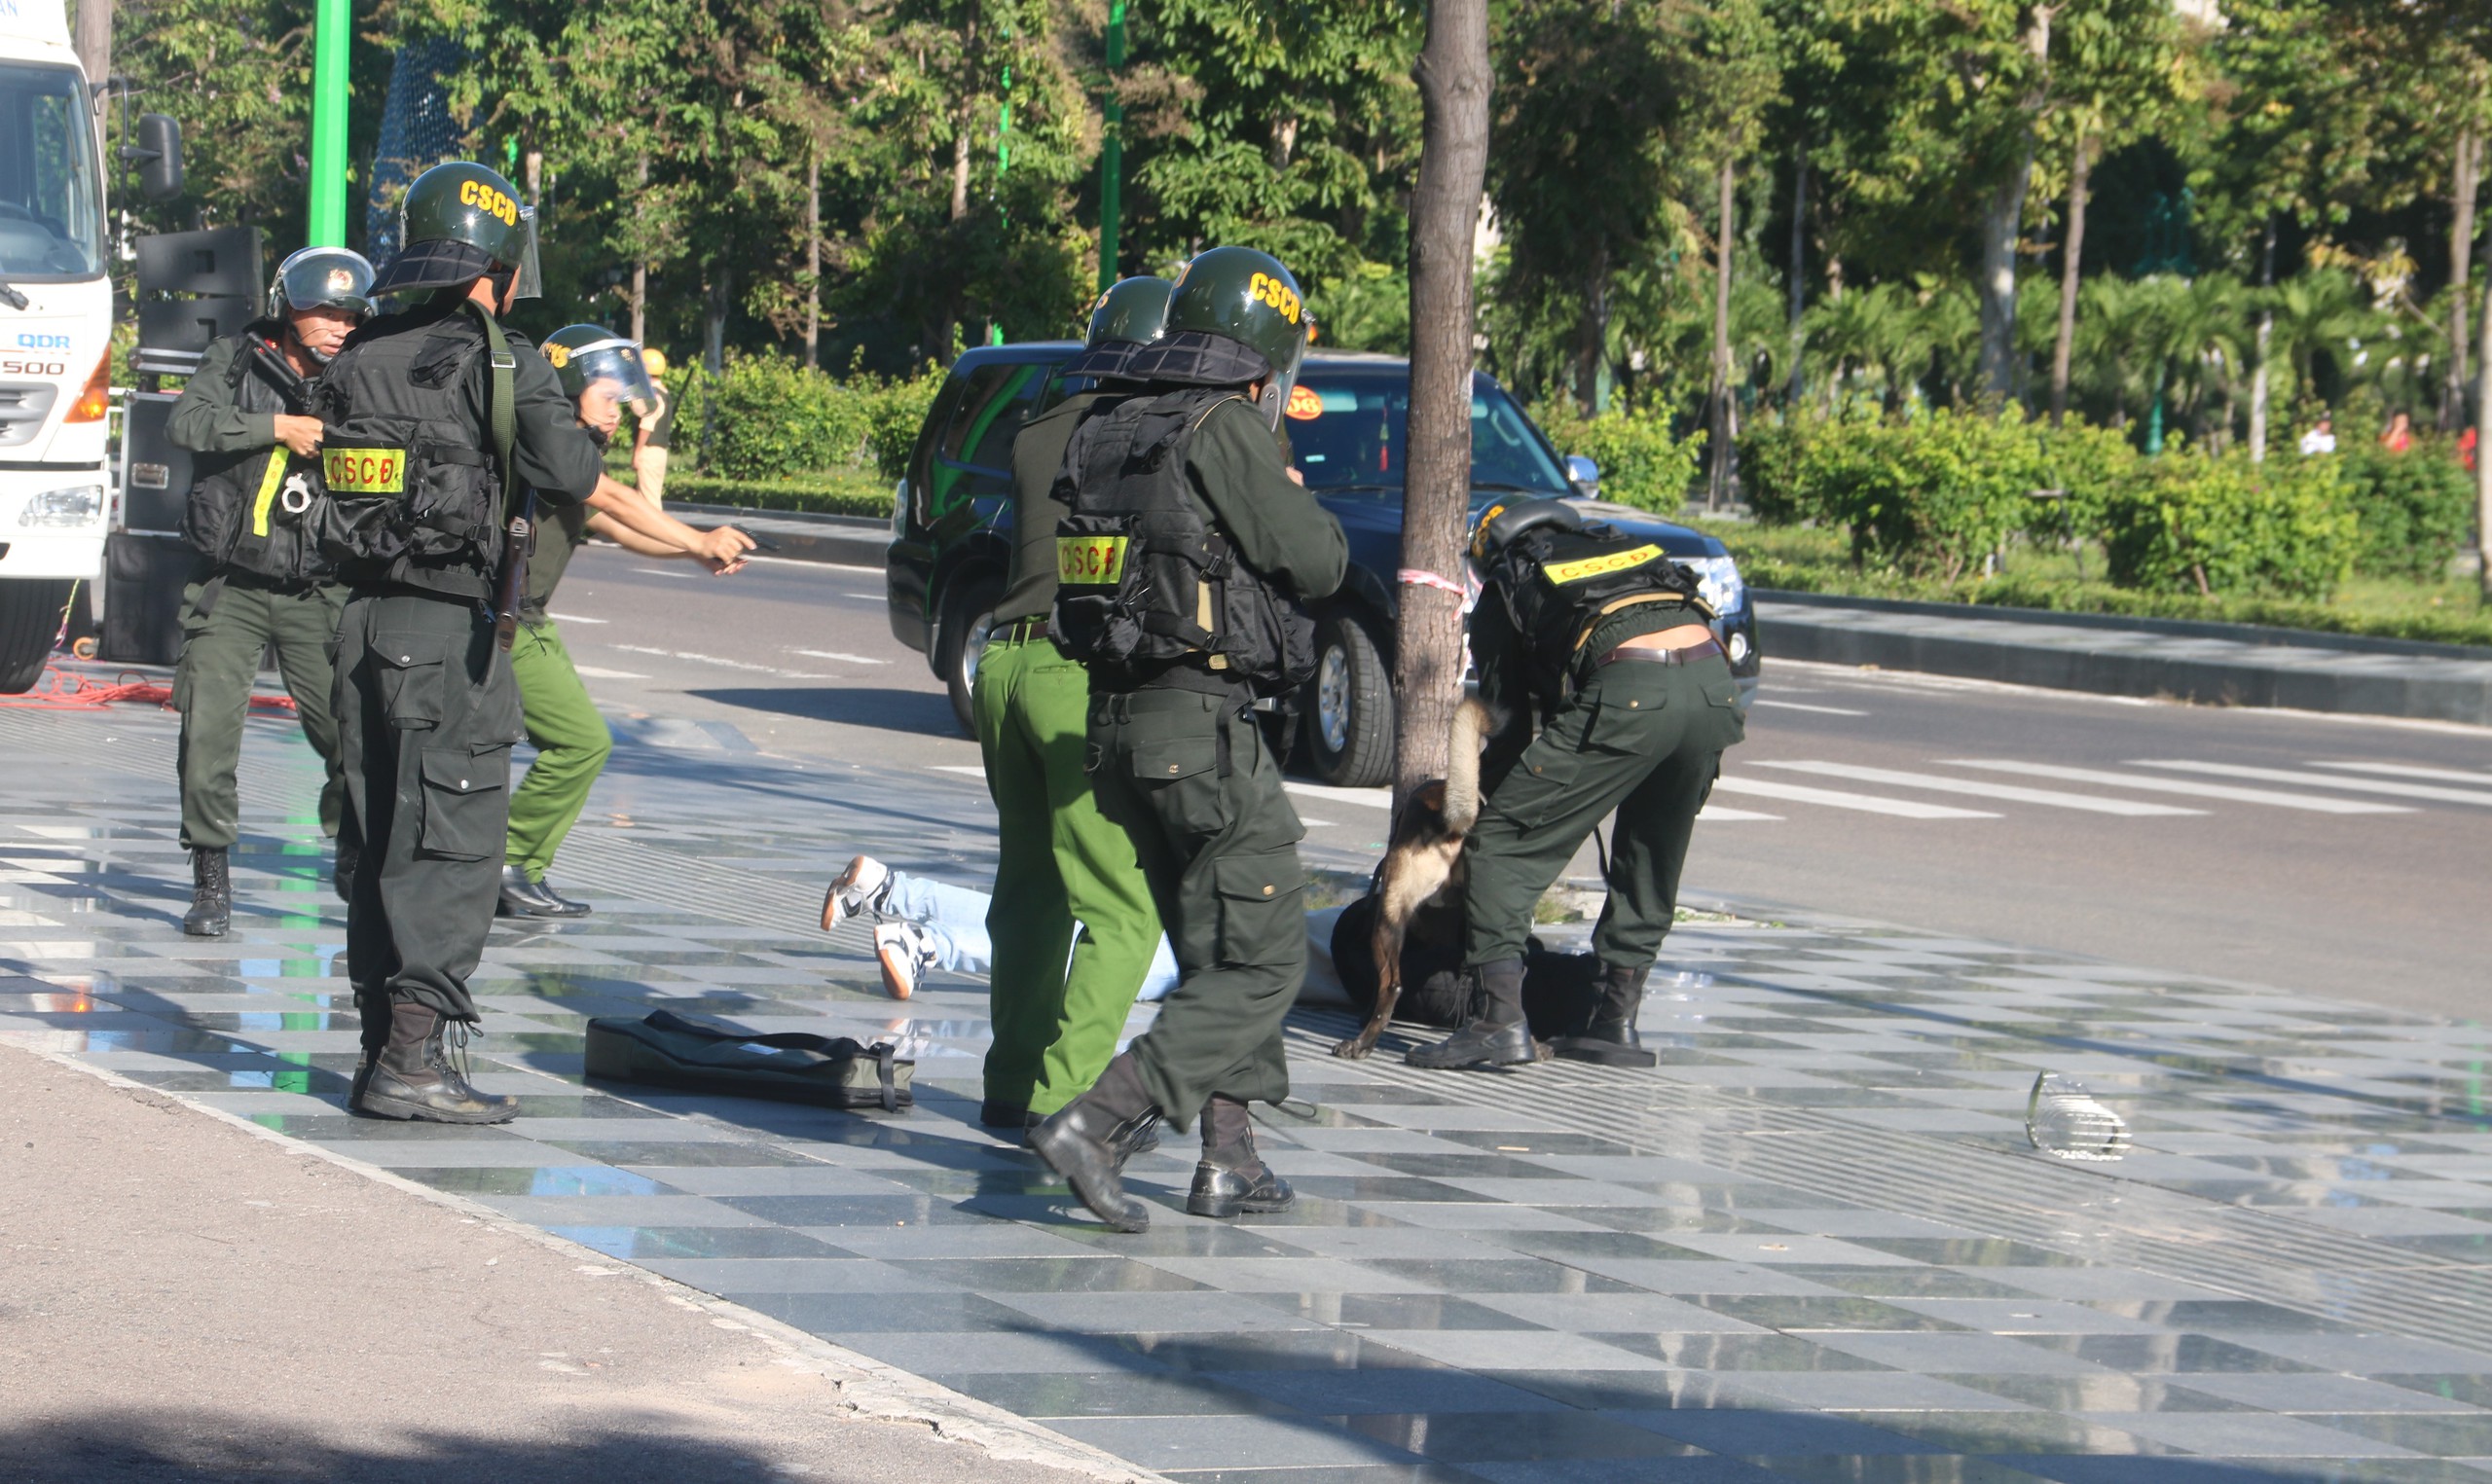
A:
<point x="606" y="368"/>
<point x="318" y="278"/>
<point x="530" y="280"/>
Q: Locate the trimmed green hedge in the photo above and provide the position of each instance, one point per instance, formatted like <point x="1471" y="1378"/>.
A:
<point x="766" y="418"/>
<point x="1642" y="464"/>
<point x="1930" y="497"/>
<point x="860" y="494"/>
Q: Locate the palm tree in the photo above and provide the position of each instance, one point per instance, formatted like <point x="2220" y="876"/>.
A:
<point x="2319" y="314"/>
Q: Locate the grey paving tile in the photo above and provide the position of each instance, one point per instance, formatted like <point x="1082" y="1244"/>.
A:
<point x="2251" y="1434"/>
<point x="1226" y="1441"/>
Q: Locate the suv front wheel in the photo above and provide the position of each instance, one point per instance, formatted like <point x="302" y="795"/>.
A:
<point x="969" y="616"/>
<point x="1347" y="714"/>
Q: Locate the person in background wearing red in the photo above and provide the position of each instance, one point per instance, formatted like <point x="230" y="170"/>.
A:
<point x="2399" y="435"/>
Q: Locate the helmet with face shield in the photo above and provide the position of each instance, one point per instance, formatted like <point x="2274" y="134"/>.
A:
<point x="592" y="360"/>
<point x="321" y="278"/>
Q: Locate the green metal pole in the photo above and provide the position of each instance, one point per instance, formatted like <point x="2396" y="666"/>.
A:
<point x="332" y="28"/>
<point x="1111" y="152"/>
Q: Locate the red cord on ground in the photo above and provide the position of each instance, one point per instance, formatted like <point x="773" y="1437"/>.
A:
<point x="62" y="690"/>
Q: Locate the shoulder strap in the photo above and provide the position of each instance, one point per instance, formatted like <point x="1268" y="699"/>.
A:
<point x="501" y="398"/>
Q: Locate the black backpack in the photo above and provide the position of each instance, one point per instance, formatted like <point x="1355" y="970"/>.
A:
<point x="1558" y="579"/>
<point x="1145" y="582"/>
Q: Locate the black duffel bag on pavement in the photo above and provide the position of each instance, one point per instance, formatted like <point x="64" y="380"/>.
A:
<point x="710" y="1055"/>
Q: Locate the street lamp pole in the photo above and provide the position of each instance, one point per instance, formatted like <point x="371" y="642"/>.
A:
<point x="332" y="28"/>
<point x="1112" y="151"/>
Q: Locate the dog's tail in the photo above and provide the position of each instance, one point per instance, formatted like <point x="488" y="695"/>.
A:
<point x="1462" y="766"/>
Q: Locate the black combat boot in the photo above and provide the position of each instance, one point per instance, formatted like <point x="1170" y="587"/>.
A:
<point x="1610" y="1039"/>
<point x="1012" y="1116"/>
<point x="211" y="893"/>
<point x="1232" y="1177"/>
<point x="525" y="898"/>
<point x="1497" y="1034"/>
<point x="1088" y="1141"/>
<point x="413" y="1078"/>
<point x="374" y="1007"/>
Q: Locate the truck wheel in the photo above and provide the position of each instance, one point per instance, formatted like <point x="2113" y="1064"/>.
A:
<point x="29" y="619"/>
<point x="1347" y="714"/>
<point x="969" y="613"/>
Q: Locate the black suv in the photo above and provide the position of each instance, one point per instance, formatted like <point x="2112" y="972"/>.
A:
<point x="952" y="529"/>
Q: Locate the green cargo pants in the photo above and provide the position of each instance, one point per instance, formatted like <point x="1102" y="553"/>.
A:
<point x="1643" y="740"/>
<point x="1058" y="863"/>
<point x="224" y="624"/>
<point x="426" y="715"/>
<point x="1189" y="778"/>
<point x="571" y="743"/>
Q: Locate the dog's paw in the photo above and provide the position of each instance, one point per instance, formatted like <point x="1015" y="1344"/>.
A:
<point x="1354" y="1049"/>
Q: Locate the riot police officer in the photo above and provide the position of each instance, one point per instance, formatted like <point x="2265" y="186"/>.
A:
<point x="261" y="582"/>
<point x="437" y="414"/>
<point x="1610" y="642"/>
<point x="1059" y="999"/>
<point x="602" y="374"/>
<point x="1182" y="568"/>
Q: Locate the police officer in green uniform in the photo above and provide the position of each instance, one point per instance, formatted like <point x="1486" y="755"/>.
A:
<point x="1058" y="997"/>
<point x="601" y="372"/>
<point x="1609" y="641"/>
<point x="436" y="416"/>
<point x="261" y="582"/>
<point x="1182" y="568"/>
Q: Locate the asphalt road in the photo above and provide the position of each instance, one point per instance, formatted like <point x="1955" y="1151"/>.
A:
<point x="2340" y="857"/>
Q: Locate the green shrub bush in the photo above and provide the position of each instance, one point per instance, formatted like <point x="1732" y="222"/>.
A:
<point x="2416" y="507"/>
<point x="1931" y="496"/>
<point x="769" y="418"/>
<point x="1642" y="464"/>
<point x="864" y="493"/>
<point x="2222" y="524"/>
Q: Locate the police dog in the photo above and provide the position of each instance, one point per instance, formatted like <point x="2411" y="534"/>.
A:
<point x="1421" y="875"/>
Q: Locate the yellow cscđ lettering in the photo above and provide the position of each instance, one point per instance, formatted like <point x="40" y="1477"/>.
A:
<point x="1090" y="561"/>
<point x="364" y="471"/>
<point x="1264" y="288"/>
<point x="1600" y="566"/>
<point x="484" y="197"/>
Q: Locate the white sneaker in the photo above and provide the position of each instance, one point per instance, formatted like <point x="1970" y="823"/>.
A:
<point x="860" y="888"/>
<point x="905" y="950"/>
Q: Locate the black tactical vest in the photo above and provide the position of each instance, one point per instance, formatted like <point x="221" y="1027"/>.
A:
<point x="1147" y="586"/>
<point x="413" y="490"/>
<point x="246" y="511"/>
<point x="1558" y="585"/>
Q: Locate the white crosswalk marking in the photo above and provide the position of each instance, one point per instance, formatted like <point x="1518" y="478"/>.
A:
<point x="1802" y="706"/>
<point x="2193" y="789"/>
<point x="1982" y="788"/>
<point x="1371" y="798"/>
<point x="1723" y="813"/>
<point x="2322" y="780"/>
<point x="2409" y="771"/>
<point x="1902" y="809"/>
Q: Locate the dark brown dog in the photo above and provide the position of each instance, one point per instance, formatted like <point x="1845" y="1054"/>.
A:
<point x="1422" y="868"/>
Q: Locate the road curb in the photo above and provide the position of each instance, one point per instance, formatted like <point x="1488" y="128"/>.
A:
<point x="2205" y="664"/>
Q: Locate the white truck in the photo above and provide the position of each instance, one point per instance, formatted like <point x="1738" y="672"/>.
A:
<point x="56" y="327"/>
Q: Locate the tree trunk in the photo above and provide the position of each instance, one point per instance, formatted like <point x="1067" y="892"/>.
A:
<point x="2266" y="335"/>
<point x="641" y="275"/>
<point x="961" y="173"/>
<point x="1795" y="387"/>
<point x="94" y="43"/>
<point x="2470" y="165"/>
<point x="2002" y="228"/>
<point x="1454" y="78"/>
<point x="714" y="332"/>
<point x="813" y="258"/>
<point x="2072" y="256"/>
<point x="1717" y="483"/>
<point x="2483" y="451"/>
<point x="1592" y="333"/>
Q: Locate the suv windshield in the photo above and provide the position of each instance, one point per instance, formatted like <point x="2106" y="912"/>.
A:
<point x="50" y="214"/>
<point x="1347" y="428"/>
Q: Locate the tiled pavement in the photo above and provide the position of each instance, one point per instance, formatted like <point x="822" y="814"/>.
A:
<point x="1812" y="1247"/>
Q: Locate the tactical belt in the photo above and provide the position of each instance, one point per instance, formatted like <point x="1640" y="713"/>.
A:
<point x="1022" y="629"/>
<point x="1646" y="654"/>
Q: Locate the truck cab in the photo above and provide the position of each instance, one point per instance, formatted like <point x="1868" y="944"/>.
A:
<point x="56" y="334"/>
